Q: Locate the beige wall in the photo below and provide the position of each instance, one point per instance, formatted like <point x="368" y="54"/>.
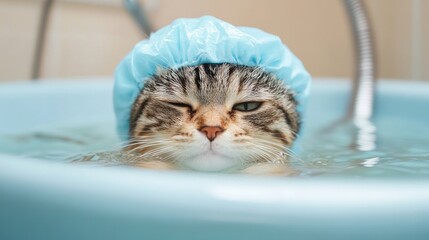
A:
<point x="90" y="39"/>
<point x="423" y="58"/>
<point x="17" y="38"/>
<point x="86" y="40"/>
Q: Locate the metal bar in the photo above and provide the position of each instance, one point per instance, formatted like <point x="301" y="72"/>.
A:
<point x="137" y="11"/>
<point x="40" y="41"/>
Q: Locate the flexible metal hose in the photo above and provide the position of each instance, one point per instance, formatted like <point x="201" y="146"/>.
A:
<point x="361" y="107"/>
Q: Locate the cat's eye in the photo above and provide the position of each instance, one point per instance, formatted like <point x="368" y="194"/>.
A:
<point x="247" y="106"/>
<point x="179" y="104"/>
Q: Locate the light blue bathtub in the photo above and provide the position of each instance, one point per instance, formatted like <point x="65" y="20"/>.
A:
<point x="47" y="199"/>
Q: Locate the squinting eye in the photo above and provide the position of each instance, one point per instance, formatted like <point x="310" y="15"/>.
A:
<point x="247" y="106"/>
<point x="179" y="104"/>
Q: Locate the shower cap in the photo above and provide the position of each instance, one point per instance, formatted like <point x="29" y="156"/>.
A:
<point x="189" y="42"/>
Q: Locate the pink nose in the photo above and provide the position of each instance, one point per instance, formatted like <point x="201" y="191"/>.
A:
<point x="211" y="131"/>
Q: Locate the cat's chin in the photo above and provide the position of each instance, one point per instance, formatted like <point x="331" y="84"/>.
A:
<point x="210" y="162"/>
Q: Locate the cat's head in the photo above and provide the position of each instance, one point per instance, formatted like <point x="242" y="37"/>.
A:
<point x="213" y="116"/>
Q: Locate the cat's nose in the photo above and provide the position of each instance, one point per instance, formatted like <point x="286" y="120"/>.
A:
<point x="211" y="131"/>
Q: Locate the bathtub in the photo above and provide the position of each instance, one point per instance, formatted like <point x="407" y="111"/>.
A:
<point x="43" y="199"/>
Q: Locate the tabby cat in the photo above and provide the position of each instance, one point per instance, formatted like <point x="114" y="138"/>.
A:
<point x="214" y="117"/>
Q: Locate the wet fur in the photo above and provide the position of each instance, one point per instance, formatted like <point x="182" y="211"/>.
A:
<point x="166" y="134"/>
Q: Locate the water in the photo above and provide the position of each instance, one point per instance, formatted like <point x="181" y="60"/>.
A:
<point x="331" y="153"/>
<point x="402" y="148"/>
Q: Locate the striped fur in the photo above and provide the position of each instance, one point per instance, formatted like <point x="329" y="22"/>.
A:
<point x="175" y="104"/>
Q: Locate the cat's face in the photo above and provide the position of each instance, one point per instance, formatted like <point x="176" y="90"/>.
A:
<point x="213" y="117"/>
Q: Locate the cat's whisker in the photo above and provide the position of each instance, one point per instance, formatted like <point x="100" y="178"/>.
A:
<point x="148" y="139"/>
<point x="148" y="143"/>
<point x="141" y="150"/>
<point x="262" y="153"/>
<point x="119" y="145"/>
<point x="275" y="149"/>
<point x="151" y="138"/>
<point x="171" y="157"/>
<point x="269" y="151"/>
<point x="287" y="151"/>
<point x="134" y="144"/>
<point x="293" y="154"/>
<point x="157" y="151"/>
<point x="270" y="154"/>
<point x="271" y="143"/>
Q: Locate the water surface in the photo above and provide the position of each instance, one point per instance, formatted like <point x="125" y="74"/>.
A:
<point x="325" y="150"/>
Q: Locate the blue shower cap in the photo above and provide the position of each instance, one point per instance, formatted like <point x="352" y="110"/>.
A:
<point x="189" y="42"/>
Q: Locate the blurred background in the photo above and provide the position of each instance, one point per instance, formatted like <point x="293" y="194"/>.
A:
<point x="87" y="38"/>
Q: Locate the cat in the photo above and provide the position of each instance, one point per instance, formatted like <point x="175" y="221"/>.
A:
<point x="214" y="117"/>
